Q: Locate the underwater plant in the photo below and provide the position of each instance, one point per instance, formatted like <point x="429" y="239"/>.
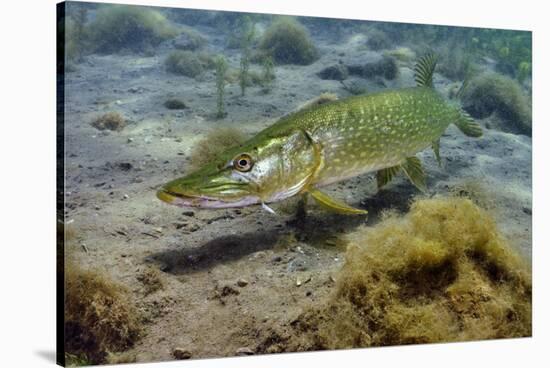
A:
<point x="441" y="273"/>
<point x="221" y="69"/>
<point x="288" y="42"/>
<point x="188" y="39"/>
<point x="268" y="75"/>
<point x="98" y="317"/>
<point x="111" y="121"/>
<point x="495" y="93"/>
<point x="456" y="63"/>
<point x="76" y="33"/>
<point x="378" y="40"/>
<point x="127" y="27"/>
<point x="247" y="34"/>
<point x="215" y="142"/>
<point x="184" y="63"/>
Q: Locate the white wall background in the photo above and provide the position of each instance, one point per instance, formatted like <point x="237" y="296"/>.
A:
<point x="27" y="181"/>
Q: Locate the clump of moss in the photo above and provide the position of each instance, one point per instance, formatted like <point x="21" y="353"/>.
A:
<point x="495" y="93"/>
<point x="378" y="40"/>
<point x="98" y="317"/>
<point x="184" y="63"/>
<point x="189" y="39"/>
<point x="152" y="280"/>
<point x="441" y="273"/>
<point x="214" y="143"/>
<point x="129" y="27"/>
<point x="286" y="41"/>
<point x="112" y="121"/>
<point x="474" y="190"/>
<point x="175" y="104"/>
<point x="386" y="67"/>
<point x="403" y="54"/>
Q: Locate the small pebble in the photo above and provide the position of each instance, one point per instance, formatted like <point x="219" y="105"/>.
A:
<point x="242" y="282"/>
<point x="244" y="351"/>
<point x="181" y="354"/>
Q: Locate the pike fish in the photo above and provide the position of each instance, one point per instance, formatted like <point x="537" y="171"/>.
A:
<point x="320" y="145"/>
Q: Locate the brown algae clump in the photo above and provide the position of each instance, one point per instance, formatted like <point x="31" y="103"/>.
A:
<point x="98" y="318"/>
<point x="442" y="273"/>
<point x="213" y="144"/>
<point x="110" y="121"/>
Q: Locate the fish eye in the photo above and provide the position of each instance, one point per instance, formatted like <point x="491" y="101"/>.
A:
<point x="243" y="162"/>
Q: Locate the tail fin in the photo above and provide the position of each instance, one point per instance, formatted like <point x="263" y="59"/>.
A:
<point x="424" y="70"/>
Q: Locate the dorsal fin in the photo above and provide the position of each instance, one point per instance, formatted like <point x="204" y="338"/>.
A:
<point x="424" y="70"/>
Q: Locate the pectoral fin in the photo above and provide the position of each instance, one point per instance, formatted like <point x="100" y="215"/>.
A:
<point x="334" y="205"/>
<point x="413" y="169"/>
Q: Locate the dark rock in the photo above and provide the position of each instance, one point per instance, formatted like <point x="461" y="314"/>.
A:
<point x="181" y="354"/>
<point x="175" y="104"/>
<point x="334" y="72"/>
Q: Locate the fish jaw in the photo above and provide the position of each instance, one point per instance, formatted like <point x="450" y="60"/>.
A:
<point x="181" y="200"/>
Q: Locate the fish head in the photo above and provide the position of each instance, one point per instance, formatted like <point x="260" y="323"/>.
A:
<point x="265" y="169"/>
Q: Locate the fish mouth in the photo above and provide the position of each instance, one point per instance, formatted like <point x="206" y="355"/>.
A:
<point x="184" y="200"/>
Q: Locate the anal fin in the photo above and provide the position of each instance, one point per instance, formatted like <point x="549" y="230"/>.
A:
<point x="334" y="205"/>
<point x="412" y="167"/>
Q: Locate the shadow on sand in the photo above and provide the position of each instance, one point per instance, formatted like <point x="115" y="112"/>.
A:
<point x="313" y="229"/>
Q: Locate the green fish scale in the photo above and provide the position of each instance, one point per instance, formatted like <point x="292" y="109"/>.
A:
<point x="367" y="133"/>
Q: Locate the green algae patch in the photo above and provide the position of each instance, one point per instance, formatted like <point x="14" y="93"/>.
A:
<point x="495" y="93"/>
<point x="441" y="273"/>
<point x="287" y="41"/>
<point x="128" y="28"/>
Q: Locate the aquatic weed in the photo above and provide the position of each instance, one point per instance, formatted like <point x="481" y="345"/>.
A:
<point x="128" y="27"/>
<point x="184" y="63"/>
<point x="441" y="273"/>
<point x="221" y="69"/>
<point x="288" y="42"/>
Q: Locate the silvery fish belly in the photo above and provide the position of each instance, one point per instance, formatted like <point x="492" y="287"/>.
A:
<point x="322" y="144"/>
